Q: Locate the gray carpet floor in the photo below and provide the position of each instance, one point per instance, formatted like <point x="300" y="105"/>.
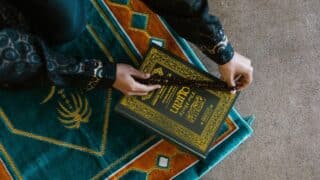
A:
<point x="282" y="37"/>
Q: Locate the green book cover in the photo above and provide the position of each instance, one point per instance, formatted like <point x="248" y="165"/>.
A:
<point x="189" y="117"/>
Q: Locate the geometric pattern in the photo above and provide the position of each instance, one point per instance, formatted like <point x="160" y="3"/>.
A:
<point x="4" y="174"/>
<point x="163" y="161"/>
<point x="143" y="34"/>
<point x="123" y="2"/>
<point x="56" y="141"/>
<point x="139" y="20"/>
<point x="157" y="41"/>
<point x="134" y="174"/>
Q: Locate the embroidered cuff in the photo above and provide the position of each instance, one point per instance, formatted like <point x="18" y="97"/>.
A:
<point x="102" y="74"/>
<point x="221" y="53"/>
<point x="109" y="74"/>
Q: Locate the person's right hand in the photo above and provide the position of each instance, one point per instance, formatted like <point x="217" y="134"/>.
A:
<point x="127" y="85"/>
<point x="238" y="72"/>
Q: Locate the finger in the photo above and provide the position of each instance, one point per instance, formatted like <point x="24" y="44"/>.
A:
<point x="137" y="93"/>
<point x="240" y="86"/>
<point x="145" y="88"/>
<point x="239" y="81"/>
<point x="139" y="74"/>
<point x="245" y="81"/>
<point x="222" y="79"/>
<point x="243" y="86"/>
<point x="231" y="82"/>
<point x="227" y="79"/>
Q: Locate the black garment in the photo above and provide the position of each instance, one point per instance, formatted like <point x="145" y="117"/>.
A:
<point x="56" y="21"/>
<point x="10" y="17"/>
<point x="24" y="56"/>
<point x="190" y="18"/>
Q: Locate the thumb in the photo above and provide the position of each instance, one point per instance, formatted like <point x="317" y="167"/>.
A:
<point x="139" y="74"/>
<point x="231" y="82"/>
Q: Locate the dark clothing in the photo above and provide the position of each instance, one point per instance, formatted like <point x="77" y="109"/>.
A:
<point x="56" y="21"/>
<point x="24" y="56"/>
<point x="191" y="20"/>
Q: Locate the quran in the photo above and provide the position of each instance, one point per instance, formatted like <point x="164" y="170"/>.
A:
<point x="185" y="115"/>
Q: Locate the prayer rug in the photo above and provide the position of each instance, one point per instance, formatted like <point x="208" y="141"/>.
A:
<point x="58" y="133"/>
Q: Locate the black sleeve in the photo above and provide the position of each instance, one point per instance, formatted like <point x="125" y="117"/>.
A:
<point x="191" y="20"/>
<point x="24" y="58"/>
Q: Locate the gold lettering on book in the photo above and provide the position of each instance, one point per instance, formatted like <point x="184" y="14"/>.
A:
<point x="195" y="108"/>
<point x="178" y="102"/>
<point x="210" y="118"/>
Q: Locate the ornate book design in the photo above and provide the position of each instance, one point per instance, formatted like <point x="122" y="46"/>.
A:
<point x="187" y="116"/>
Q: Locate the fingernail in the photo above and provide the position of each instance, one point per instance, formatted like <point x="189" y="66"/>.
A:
<point x="148" y="75"/>
<point x="233" y="92"/>
<point x="159" y="87"/>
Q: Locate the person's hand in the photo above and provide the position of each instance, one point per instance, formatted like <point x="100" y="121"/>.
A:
<point x="238" y="72"/>
<point x="127" y="85"/>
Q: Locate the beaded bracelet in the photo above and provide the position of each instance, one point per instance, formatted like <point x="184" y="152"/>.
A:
<point x="178" y="81"/>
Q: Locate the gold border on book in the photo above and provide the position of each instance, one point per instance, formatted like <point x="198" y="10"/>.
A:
<point x="202" y="141"/>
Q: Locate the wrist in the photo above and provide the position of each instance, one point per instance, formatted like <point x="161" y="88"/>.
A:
<point x="226" y="56"/>
<point x="109" y="74"/>
<point x="220" y="53"/>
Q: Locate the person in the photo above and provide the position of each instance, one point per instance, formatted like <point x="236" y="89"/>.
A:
<point x="29" y="28"/>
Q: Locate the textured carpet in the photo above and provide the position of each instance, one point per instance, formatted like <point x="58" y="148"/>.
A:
<point x="282" y="39"/>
